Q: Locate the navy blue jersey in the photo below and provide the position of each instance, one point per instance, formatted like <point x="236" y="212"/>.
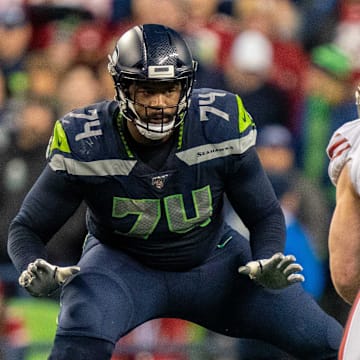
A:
<point x="168" y="217"/>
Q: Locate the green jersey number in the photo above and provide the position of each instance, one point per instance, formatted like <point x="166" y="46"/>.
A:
<point x="148" y="212"/>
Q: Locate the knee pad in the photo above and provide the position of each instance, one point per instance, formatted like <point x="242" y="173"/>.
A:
<point x="81" y="348"/>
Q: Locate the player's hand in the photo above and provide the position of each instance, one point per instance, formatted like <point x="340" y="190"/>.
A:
<point x="277" y="272"/>
<point x="42" y="279"/>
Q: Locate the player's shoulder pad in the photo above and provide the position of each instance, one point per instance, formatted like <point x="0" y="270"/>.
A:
<point x="221" y="115"/>
<point x="343" y="148"/>
<point x="217" y="126"/>
<point x="82" y="134"/>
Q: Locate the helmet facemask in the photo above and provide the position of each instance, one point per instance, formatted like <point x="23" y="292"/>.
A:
<point x="155" y="122"/>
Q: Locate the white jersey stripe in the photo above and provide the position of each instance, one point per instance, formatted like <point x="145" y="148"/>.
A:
<point x="110" y="167"/>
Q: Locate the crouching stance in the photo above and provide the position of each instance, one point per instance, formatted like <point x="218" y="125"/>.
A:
<point x="153" y="166"/>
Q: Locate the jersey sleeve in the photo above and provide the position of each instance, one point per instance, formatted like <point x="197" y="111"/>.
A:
<point x="78" y="139"/>
<point x="344" y="148"/>
<point x="75" y="141"/>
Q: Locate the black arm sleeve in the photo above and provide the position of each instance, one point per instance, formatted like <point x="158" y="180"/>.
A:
<point x="252" y="196"/>
<point x="47" y="206"/>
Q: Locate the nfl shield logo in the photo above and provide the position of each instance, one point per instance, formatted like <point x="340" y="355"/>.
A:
<point x="159" y="181"/>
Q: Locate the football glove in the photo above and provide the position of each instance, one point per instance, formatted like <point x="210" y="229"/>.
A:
<point x="277" y="272"/>
<point x="42" y="279"/>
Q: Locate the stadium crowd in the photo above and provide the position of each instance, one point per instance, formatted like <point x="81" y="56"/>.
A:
<point x="295" y="64"/>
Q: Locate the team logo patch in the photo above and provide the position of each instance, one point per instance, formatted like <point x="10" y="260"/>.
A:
<point x="159" y="181"/>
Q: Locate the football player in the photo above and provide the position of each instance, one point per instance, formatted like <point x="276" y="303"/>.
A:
<point x="344" y="240"/>
<point x="153" y="166"/>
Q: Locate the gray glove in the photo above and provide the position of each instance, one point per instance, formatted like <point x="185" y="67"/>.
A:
<point x="42" y="279"/>
<point x="277" y="272"/>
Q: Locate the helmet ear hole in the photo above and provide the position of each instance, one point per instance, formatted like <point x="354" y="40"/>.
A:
<point x="125" y="86"/>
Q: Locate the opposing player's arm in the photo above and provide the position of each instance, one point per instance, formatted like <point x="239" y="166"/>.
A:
<point x="344" y="238"/>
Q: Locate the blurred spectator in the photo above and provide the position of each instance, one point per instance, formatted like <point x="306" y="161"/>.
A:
<point x="275" y="147"/>
<point x="347" y="32"/>
<point x="98" y="9"/>
<point x="279" y="20"/>
<point x="15" y="38"/>
<point x="212" y="32"/>
<point x="328" y="101"/>
<point x="120" y="11"/>
<point x="209" y="36"/>
<point x="298" y="239"/>
<point x="60" y="50"/>
<point x="90" y="41"/>
<point x="7" y="4"/>
<point x="203" y="41"/>
<point x="5" y="115"/>
<point x="248" y="73"/>
<point x="3" y="92"/>
<point x="42" y="77"/>
<point x="78" y="86"/>
<point x="22" y="162"/>
<point x="47" y="18"/>
<point x="20" y="165"/>
<point x="170" y="13"/>
<point x="318" y="21"/>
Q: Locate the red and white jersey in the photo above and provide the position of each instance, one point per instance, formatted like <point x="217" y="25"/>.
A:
<point x="349" y="349"/>
<point x="344" y="148"/>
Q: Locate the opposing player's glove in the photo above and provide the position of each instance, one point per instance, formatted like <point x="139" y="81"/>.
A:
<point x="277" y="272"/>
<point x="42" y="279"/>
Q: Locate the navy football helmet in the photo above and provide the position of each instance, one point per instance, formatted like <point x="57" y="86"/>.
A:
<point x="154" y="53"/>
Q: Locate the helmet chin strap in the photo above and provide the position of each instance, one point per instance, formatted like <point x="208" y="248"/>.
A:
<point x="151" y="131"/>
